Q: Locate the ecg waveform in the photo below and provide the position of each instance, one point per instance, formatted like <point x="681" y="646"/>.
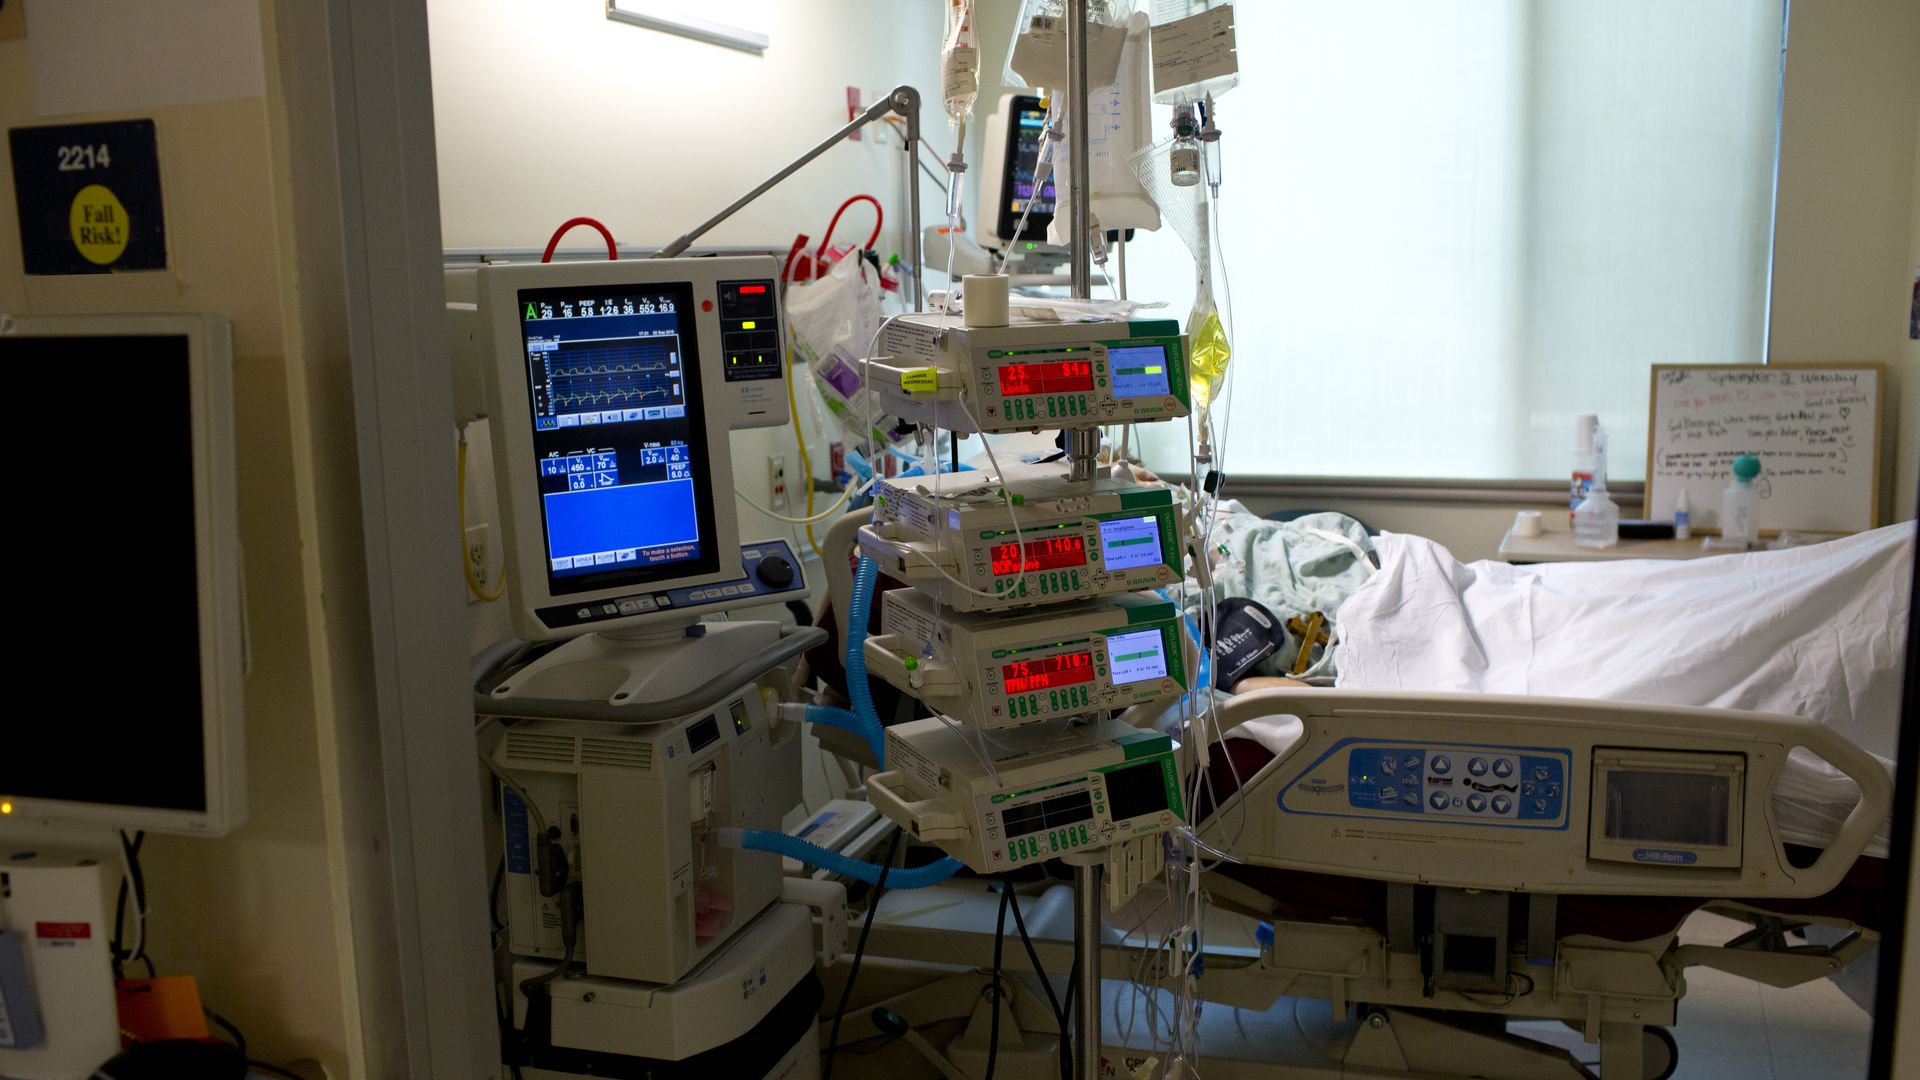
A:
<point x="605" y="377"/>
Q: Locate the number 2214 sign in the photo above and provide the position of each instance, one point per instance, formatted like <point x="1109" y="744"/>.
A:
<point x="89" y="198"/>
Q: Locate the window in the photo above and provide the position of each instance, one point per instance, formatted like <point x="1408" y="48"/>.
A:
<point x="1453" y="226"/>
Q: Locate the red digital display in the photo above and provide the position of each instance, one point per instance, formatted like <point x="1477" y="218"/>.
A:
<point x="1047" y="673"/>
<point x="1059" y="377"/>
<point x="1053" y="553"/>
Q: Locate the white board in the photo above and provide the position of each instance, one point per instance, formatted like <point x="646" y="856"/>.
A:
<point x="1815" y="428"/>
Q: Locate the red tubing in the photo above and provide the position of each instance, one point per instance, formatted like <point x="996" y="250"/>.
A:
<point x="612" y="253"/>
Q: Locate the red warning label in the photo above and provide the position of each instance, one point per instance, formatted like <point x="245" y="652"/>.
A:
<point x="62" y="931"/>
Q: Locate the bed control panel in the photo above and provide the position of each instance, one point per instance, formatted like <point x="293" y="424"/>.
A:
<point x="1492" y="784"/>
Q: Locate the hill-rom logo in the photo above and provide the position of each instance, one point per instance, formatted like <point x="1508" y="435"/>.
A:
<point x="1314" y="785"/>
<point x="1664" y="855"/>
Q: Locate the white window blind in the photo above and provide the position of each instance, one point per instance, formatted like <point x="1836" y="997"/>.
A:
<point x="1450" y="226"/>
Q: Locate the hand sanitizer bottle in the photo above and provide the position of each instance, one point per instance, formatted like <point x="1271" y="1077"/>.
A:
<point x="1683" y="517"/>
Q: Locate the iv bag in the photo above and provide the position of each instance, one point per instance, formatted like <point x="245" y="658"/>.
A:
<point x="833" y="320"/>
<point x="1037" y="55"/>
<point x="1193" y="50"/>
<point x="1118" y="130"/>
<point x="959" y="62"/>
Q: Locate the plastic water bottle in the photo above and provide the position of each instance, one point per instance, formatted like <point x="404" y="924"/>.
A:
<point x="1586" y="429"/>
<point x="1682" y="517"/>
<point x="1736" y="504"/>
<point x="1596" y="521"/>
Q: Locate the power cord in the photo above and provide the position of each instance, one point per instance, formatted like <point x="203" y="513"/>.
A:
<point x="999" y="936"/>
<point x="859" y="950"/>
<point x="1059" y="1015"/>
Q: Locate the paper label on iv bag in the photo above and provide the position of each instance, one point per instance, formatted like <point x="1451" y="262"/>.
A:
<point x="1194" y="50"/>
<point x="960" y="73"/>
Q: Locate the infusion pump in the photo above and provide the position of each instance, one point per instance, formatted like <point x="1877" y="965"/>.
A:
<point x="1054" y="789"/>
<point x="1009" y="670"/>
<point x="1051" y="541"/>
<point x="1031" y="375"/>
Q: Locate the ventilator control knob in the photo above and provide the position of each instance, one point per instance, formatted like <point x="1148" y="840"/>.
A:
<point x="775" y="571"/>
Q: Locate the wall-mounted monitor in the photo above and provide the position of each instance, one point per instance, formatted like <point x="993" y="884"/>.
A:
<point x="126" y="569"/>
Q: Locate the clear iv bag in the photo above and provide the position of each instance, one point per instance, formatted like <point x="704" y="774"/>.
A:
<point x="959" y="62"/>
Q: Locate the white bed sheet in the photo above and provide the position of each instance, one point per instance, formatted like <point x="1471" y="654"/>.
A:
<point x="1817" y="632"/>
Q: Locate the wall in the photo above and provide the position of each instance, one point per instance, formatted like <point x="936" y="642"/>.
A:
<point x="1842" y="271"/>
<point x="547" y="111"/>
<point x="254" y="915"/>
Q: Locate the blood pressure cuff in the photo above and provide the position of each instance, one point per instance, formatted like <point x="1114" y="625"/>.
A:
<point x="1245" y="633"/>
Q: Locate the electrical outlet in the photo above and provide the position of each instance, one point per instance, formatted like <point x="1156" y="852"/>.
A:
<point x="777" y="483"/>
<point x="478" y="558"/>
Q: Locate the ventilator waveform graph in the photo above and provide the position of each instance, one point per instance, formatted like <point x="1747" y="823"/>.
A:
<point x="603" y="377"/>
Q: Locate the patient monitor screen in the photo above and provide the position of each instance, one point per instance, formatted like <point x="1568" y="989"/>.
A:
<point x="1026" y="120"/>
<point x="619" y="439"/>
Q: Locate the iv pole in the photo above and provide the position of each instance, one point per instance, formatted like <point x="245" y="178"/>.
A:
<point x="903" y="101"/>
<point x="1083" y="449"/>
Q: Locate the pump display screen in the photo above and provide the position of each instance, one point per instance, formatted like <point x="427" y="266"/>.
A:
<point x="1052" y="813"/>
<point x="1047" y="673"/>
<point x="1137" y="791"/>
<point x="619" y="434"/>
<point x="1052" y="553"/>
<point x="1139" y="371"/>
<point x="1138" y="656"/>
<point x="1132" y="542"/>
<point x="1057" y="377"/>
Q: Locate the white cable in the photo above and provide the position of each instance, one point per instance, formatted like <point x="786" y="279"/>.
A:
<point x="829" y="512"/>
<point x="139" y="901"/>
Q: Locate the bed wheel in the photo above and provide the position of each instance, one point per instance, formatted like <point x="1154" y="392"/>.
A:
<point x="1662" y="1054"/>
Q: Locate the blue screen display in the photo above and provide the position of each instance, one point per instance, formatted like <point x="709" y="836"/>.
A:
<point x="1137" y="657"/>
<point x="620" y="452"/>
<point x="1139" y="371"/>
<point x="1129" y="543"/>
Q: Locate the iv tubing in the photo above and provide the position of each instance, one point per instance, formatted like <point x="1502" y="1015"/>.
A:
<point x="792" y="847"/>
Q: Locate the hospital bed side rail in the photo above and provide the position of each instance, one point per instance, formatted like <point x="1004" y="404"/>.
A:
<point x="1317" y="806"/>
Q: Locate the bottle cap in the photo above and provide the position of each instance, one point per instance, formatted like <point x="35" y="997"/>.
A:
<point x="1746" y="467"/>
<point x="1583" y="429"/>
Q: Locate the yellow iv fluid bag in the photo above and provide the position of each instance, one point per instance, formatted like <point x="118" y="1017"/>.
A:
<point x="1207" y="340"/>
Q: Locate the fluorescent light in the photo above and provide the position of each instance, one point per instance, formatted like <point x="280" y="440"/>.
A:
<point x="647" y="14"/>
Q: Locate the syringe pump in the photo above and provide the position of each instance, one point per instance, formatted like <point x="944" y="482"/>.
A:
<point x="1059" y="788"/>
<point x="1074" y="540"/>
<point x="1031" y="374"/>
<point x="1000" y="671"/>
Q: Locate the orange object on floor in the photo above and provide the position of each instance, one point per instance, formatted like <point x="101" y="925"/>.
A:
<point x="164" y="1008"/>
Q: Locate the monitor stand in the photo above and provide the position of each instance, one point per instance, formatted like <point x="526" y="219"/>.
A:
<point x="658" y="663"/>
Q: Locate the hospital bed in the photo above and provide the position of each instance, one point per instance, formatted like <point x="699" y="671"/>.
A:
<point x="1540" y="869"/>
<point x="1428" y="931"/>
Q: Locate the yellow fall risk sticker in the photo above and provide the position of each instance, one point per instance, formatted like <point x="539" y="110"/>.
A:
<point x="99" y="224"/>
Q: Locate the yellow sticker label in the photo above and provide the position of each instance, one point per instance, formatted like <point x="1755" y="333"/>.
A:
<point x="98" y="224"/>
<point x="920" y="380"/>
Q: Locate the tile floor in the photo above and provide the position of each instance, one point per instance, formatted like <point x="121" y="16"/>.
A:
<point x="1734" y="1029"/>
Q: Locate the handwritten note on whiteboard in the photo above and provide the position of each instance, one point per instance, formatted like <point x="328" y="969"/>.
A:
<point x="1815" y="429"/>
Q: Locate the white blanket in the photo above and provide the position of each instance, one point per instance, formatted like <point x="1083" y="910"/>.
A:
<point x="1817" y="632"/>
